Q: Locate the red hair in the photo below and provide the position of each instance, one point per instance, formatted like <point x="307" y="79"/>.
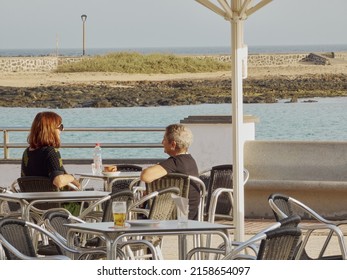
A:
<point x="43" y="130"/>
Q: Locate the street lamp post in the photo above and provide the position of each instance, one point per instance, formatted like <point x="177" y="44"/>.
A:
<point x="84" y="18"/>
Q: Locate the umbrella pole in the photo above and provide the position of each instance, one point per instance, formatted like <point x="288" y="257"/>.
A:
<point x="237" y="122"/>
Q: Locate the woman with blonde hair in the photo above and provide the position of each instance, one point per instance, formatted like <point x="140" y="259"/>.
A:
<point x="42" y="157"/>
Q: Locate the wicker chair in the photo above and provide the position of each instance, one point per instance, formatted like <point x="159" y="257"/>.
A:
<point x="219" y="202"/>
<point x="55" y="223"/>
<point x="183" y="182"/>
<point x="159" y="206"/>
<point x="17" y="242"/>
<point x="42" y="184"/>
<point x="256" y="250"/>
<point x="277" y="244"/>
<point x="284" y="206"/>
<point x="38" y="184"/>
<point x="90" y="214"/>
<point x="119" y="184"/>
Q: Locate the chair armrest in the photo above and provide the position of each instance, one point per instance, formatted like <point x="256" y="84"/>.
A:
<point x="332" y="229"/>
<point x="315" y="215"/>
<point x="53" y="257"/>
<point x="14" y="187"/>
<point x="202" y="187"/>
<point x="213" y="202"/>
<point x="73" y="187"/>
<point x="192" y="252"/>
<point x="21" y="256"/>
<point x="142" y="200"/>
<point x="92" y="206"/>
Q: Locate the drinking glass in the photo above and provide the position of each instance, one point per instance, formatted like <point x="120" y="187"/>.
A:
<point x="182" y="215"/>
<point x="119" y="210"/>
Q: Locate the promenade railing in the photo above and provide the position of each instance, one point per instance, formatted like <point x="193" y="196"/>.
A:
<point x="14" y="138"/>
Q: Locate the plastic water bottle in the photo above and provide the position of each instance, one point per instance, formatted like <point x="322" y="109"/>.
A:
<point x="97" y="158"/>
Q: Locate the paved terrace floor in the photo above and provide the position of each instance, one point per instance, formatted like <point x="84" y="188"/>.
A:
<point x="251" y="228"/>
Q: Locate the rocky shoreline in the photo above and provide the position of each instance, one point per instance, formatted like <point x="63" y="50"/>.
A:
<point x="172" y="92"/>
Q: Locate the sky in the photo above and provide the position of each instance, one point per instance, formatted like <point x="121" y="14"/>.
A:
<point x="165" y="23"/>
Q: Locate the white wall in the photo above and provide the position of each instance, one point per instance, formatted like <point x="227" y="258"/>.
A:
<point x="212" y="143"/>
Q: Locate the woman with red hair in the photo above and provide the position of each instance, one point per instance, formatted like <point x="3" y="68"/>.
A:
<point x="42" y="157"/>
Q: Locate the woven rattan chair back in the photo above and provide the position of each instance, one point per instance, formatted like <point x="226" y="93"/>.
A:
<point x="282" y="204"/>
<point x="279" y="244"/>
<point x="221" y="177"/>
<point x="55" y="220"/>
<point x="18" y="235"/>
<point x="119" y="185"/>
<point x="38" y="184"/>
<point x="180" y="181"/>
<point x="163" y="206"/>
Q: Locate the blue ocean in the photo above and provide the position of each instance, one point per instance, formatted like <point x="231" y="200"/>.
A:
<point x="219" y="50"/>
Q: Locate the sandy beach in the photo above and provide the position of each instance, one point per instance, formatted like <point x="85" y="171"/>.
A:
<point x="29" y="79"/>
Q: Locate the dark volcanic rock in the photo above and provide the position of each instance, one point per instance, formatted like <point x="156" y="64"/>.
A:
<point x="173" y="92"/>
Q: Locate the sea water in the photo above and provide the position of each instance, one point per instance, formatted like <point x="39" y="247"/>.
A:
<point x="324" y="120"/>
<point x="218" y="50"/>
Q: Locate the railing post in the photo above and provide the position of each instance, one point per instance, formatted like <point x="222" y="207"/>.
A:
<point x="6" y="140"/>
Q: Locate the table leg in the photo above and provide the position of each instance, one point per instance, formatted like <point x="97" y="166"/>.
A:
<point x="182" y="246"/>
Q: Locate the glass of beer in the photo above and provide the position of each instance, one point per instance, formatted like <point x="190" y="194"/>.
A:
<point x="119" y="210"/>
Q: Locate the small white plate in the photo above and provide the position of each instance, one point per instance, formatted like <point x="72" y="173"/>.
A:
<point x="143" y="222"/>
<point x="109" y="174"/>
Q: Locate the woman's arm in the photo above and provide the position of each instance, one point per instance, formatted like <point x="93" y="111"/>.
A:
<point x="61" y="181"/>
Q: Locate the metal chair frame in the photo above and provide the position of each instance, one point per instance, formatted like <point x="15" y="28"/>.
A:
<point x="219" y="191"/>
<point x="283" y="206"/>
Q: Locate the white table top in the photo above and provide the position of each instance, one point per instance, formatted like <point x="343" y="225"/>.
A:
<point x="54" y="195"/>
<point x="119" y="174"/>
<point x="161" y="227"/>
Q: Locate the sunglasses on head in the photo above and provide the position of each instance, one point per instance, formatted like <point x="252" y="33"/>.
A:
<point x="61" y="127"/>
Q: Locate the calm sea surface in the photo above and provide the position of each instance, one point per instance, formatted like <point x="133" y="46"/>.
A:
<point x="176" y="50"/>
<point x="325" y="119"/>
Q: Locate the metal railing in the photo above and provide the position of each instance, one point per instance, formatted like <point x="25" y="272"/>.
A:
<point x="9" y="132"/>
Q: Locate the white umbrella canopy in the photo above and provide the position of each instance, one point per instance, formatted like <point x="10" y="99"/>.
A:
<point x="236" y="12"/>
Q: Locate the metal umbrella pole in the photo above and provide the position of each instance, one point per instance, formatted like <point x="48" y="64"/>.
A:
<point x="237" y="12"/>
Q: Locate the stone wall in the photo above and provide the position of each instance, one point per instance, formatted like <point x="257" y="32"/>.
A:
<point x="268" y="59"/>
<point x="33" y="64"/>
<point x="50" y="63"/>
<point x="28" y="64"/>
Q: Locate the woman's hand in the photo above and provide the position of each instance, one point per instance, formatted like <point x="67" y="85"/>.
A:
<point x="61" y="181"/>
<point x="76" y="183"/>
